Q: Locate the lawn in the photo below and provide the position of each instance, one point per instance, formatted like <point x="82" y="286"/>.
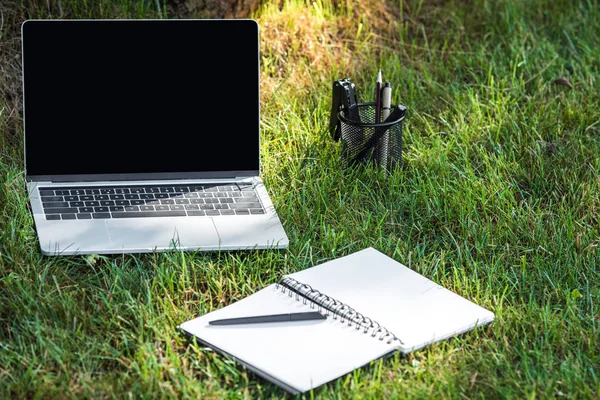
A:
<point x="498" y="199"/>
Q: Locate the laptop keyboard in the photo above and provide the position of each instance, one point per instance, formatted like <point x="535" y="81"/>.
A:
<point x="148" y="201"/>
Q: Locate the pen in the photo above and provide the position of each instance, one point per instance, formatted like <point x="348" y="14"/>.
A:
<point x="301" y="316"/>
<point x="386" y="103"/>
<point x="378" y="98"/>
<point x="386" y="100"/>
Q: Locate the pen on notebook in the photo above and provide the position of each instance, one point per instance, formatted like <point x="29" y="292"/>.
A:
<point x="386" y="100"/>
<point x="378" y="98"/>
<point x="301" y="316"/>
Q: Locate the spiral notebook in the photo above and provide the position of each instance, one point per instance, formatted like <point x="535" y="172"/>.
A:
<point x="375" y="307"/>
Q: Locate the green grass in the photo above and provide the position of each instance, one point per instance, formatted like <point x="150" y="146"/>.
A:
<point x="498" y="200"/>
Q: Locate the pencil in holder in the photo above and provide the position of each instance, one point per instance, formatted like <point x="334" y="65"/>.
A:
<point x="365" y="141"/>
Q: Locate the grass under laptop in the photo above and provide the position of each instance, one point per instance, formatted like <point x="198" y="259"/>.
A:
<point x="498" y="200"/>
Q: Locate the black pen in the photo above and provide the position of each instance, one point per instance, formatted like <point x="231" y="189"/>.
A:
<point x="259" y="319"/>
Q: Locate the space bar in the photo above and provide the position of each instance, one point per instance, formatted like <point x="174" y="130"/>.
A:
<point x="142" y="214"/>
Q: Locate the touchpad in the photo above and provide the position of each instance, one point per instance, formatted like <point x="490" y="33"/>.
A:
<point x="147" y="234"/>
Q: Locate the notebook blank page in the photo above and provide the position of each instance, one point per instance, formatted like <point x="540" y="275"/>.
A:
<point x="302" y="354"/>
<point x="417" y="310"/>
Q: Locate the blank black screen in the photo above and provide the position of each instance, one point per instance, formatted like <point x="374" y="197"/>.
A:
<point x="106" y="97"/>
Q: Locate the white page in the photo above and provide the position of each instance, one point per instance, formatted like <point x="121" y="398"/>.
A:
<point x="302" y="354"/>
<point x="415" y="309"/>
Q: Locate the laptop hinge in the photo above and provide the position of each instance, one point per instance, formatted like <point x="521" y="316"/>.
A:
<point x="145" y="176"/>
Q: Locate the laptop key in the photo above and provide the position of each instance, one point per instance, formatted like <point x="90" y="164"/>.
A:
<point x="246" y="199"/>
<point x="86" y="209"/>
<point x="100" y="215"/>
<point x="136" y="190"/>
<point x="193" y="213"/>
<point x="212" y="212"/>
<point x="244" y="205"/>
<point x="227" y="212"/>
<point x="92" y="203"/>
<point x="242" y="212"/>
<point x="161" y="208"/>
<point x="84" y="216"/>
<point x="60" y="210"/>
<point x="257" y="211"/>
<point x="132" y="208"/>
<point x="68" y="216"/>
<point x="121" y="190"/>
<point x="182" y="201"/>
<point x="226" y="200"/>
<point x="52" y="198"/>
<point x="54" y="204"/>
<point x="146" y="196"/>
<point x="101" y="209"/>
<point x="76" y="203"/>
<point x="53" y="216"/>
<point x="146" y="208"/>
<point x="61" y="192"/>
<point x="207" y="207"/>
<point x="107" y="191"/>
<point x="46" y="192"/>
<point x="197" y="201"/>
<point x="122" y="202"/>
<point x="87" y="197"/>
<point x="211" y="201"/>
<point x="192" y="207"/>
<point x="71" y="198"/>
<point x="107" y="203"/>
<point x="92" y="191"/>
<point x="117" y="196"/>
<point x="137" y="202"/>
<point x="132" y="196"/>
<point x="221" y="207"/>
<point x="117" y="208"/>
<point x="77" y="191"/>
<point x="149" y="214"/>
<point x="176" y="207"/>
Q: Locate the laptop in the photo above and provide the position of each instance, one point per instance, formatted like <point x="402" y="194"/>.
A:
<point x="143" y="136"/>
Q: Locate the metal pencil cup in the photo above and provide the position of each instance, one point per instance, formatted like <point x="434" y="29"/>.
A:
<point x="365" y="141"/>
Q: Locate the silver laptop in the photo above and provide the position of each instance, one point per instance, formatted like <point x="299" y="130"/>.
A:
<point x="143" y="135"/>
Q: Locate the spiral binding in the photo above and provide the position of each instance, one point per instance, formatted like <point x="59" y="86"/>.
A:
<point x="335" y="308"/>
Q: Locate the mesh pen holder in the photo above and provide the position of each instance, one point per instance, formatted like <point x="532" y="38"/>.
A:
<point x="365" y="141"/>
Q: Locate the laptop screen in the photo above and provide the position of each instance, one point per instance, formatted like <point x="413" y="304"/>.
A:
<point x="141" y="97"/>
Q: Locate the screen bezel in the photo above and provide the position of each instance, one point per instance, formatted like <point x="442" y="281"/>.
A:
<point x="136" y="176"/>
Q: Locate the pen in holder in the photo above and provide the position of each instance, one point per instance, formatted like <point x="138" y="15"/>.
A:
<point x="363" y="140"/>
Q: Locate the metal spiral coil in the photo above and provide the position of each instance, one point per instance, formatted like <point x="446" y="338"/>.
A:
<point x="335" y="308"/>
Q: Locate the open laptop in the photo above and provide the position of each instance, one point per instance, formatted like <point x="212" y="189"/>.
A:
<point x="143" y="135"/>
